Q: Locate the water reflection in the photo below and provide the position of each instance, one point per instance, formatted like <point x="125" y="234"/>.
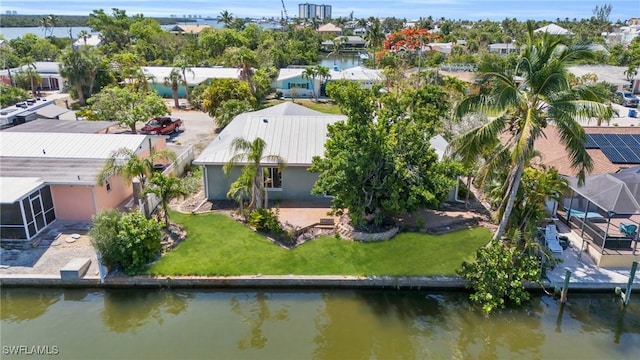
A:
<point x="22" y="304"/>
<point x="321" y="325"/>
<point x="128" y="309"/>
<point x="254" y="311"/>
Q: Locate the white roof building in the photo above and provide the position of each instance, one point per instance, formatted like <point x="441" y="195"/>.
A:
<point x="553" y="29"/>
<point x="291" y="131"/>
<point x="196" y="76"/>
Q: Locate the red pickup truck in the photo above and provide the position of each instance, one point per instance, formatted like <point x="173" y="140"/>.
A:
<point x="162" y="125"/>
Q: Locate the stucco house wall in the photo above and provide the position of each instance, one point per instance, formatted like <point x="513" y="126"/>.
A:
<point x="73" y="202"/>
<point x="296" y="183"/>
<point x="295" y="87"/>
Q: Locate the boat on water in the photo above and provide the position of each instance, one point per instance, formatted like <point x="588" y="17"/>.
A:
<point x="364" y="55"/>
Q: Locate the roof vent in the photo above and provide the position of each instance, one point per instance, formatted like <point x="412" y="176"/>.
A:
<point x="265" y="121"/>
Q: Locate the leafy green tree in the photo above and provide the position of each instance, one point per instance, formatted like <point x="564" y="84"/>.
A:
<point x="524" y="111"/>
<point x="379" y="162"/>
<point x="126" y="241"/>
<point x="253" y="171"/>
<point x="10" y="95"/>
<point x="229" y="109"/>
<point x="497" y="276"/>
<point x="174" y="80"/>
<point x="165" y="188"/>
<point x="127" y="107"/>
<point x="222" y="90"/>
<point x="113" y="29"/>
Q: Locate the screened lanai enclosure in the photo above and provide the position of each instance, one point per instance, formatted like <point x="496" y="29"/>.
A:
<point x="26" y="208"/>
<point x="605" y="213"/>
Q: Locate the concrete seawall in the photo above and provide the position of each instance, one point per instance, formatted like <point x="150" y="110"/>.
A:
<point x="280" y="282"/>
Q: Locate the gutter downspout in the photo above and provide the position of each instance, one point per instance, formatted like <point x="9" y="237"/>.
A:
<point x="95" y="201"/>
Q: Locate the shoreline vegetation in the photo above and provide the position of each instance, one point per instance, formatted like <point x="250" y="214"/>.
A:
<point x="10" y="21"/>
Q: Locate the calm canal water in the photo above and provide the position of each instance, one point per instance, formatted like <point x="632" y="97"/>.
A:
<point x="158" y="324"/>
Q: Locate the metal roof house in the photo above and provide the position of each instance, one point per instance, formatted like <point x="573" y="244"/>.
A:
<point x="292" y="84"/>
<point x="48" y="70"/>
<point x="290" y="130"/>
<point x="195" y="77"/>
<point x="49" y="176"/>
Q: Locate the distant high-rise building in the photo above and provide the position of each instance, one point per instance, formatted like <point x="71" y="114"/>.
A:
<point x="309" y="11"/>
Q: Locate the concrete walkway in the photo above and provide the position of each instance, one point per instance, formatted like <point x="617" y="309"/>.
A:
<point x="585" y="274"/>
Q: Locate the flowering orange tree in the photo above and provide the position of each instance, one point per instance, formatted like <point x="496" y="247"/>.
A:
<point x="408" y="39"/>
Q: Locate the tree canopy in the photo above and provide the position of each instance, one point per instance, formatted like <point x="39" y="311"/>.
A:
<point x="379" y="161"/>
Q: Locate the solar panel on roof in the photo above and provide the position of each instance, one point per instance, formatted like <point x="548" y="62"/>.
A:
<point x="613" y="140"/>
<point x="613" y="155"/>
<point x="628" y="154"/>
<point x="590" y="143"/>
<point x="628" y="140"/>
<point x="600" y="140"/>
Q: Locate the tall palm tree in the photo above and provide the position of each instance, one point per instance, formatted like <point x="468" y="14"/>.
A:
<point x="31" y="75"/>
<point x="246" y="61"/>
<point x="521" y="111"/>
<point x="251" y="153"/>
<point x="373" y="37"/>
<point x="165" y="188"/>
<point x="84" y="35"/>
<point x="310" y="74"/>
<point x="45" y="24"/>
<point x="174" y="80"/>
<point x="323" y="74"/>
<point x="80" y="67"/>
<point x="127" y="164"/>
<point x="182" y="63"/>
<point x="226" y="18"/>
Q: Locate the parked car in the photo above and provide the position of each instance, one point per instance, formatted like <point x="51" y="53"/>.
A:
<point x="626" y="98"/>
<point x="162" y="125"/>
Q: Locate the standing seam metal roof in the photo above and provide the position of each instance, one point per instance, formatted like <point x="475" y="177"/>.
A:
<point x="296" y="138"/>
<point x="66" y="145"/>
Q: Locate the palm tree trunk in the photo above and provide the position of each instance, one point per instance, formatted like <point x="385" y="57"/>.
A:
<point x="466" y="198"/>
<point x="176" y="101"/>
<point x="510" y="202"/>
<point x="165" y="209"/>
<point x="81" y="99"/>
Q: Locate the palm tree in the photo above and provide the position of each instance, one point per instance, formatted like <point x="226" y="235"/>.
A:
<point x="127" y="164"/>
<point x="84" y="35"/>
<point x="80" y="67"/>
<point x="246" y="61"/>
<point x="45" y="24"/>
<point x="522" y="111"/>
<point x="174" y="80"/>
<point x="226" y="18"/>
<point x="323" y="75"/>
<point x="182" y="63"/>
<point x="374" y="37"/>
<point x="165" y="188"/>
<point x="631" y="72"/>
<point x="311" y="73"/>
<point x="30" y="75"/>
<point x="253" y="172"/>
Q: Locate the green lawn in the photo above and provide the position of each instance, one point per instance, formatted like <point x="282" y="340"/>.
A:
<point x="218" y="245"/>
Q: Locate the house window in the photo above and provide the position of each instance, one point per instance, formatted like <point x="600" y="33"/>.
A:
<point x="298" y="85"/>
<point x="107" y="184"/>
<point x="273" y="178"/>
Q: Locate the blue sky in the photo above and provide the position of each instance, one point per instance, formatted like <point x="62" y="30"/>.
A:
<point x="410" y="9"/>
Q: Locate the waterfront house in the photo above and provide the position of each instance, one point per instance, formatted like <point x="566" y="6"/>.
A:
<point x="195" y="77"/>
<point x="291" y="131"/>
<point x="52" y="176"/>
<point x="292" y="84"/>
<point x="193" y="30"/>
<point x="329" y="28"/>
